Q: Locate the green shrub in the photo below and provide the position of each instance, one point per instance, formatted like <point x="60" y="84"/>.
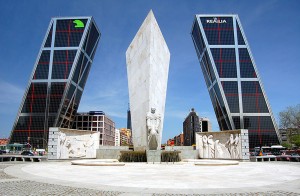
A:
<point x="133" y="156"/>
<point x="170" y="156"/>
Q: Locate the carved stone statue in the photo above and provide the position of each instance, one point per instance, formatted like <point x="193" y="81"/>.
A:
<point x="236" y="148"/>
<point x="153" y="124"/>
<point x="211" y="147"/>
<point x="205" y="147"/>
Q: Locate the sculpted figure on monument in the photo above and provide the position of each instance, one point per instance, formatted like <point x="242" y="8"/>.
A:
<point x="211" y="147"/>
<point x="153" y="124"/>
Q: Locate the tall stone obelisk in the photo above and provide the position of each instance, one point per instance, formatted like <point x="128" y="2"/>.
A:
<point x="147" y="59"/>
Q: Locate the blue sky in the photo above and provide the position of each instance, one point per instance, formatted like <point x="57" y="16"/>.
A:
<point x="272" y="29"/>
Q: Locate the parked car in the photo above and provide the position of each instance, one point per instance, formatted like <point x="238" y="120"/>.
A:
<point x="295" y="157"/>
<point x="2" y="152"/>
<point x="27" y="153"/>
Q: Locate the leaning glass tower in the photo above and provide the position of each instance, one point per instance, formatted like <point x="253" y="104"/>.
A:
<point x="57" y="80"/>
<point x="232" y="78"/>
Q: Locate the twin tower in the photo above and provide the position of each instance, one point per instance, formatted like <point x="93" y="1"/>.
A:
<point x="61" y="70"/>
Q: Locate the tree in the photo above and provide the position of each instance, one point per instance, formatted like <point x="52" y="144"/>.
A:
<point x="295" y="139"/>
<point x="287" y="145"/>
<point x="290" y="117"/>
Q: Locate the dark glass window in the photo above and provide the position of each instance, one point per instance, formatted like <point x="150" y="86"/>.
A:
<point x="253" y="99"/>
<point x="225" y="62"/>
<point x="78" y="97"/>
<point x="78" y="69"/>
<point x="239" y="34"/>
<point x="49" y="38"/>
<point x="92" y="39"/>
<point x="219" y="97"/>
<point x="62" y="63"/>
<point x="218" y="105"/>
<point x="57" y="91"/>
<point x="30" y="123"/>
<point x="208" y="66"/>
<point x="35" y="101"/>
<point x="67" y="34"/>
<point x="236" y="122"/>
<point x="51" y="120"/>
<point x="85" y="75"/>
<point x="208" y="83"/>
<point x="246" y="66"/>
<point x="42" y="68"/>
<point x="261" y="131"/>
<point x="218" y="30"/>
<point x="232" y="96"/>
<point x="70" y="92"/>
<point x="198" y="40"/>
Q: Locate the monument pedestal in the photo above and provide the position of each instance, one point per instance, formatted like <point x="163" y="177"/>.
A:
<point x="153" y="156"/>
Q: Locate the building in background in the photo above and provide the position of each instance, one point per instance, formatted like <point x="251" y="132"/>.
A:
<point x="170" y="142"/>
<point x="3" y="143"/>
<point x="117" y="137"/>
<point x="125" y="137"/>
<point x="205" y="125"/>
<point x="57" y="81"/>
<point x="191" y="125"/>
<point x="129" y="119"/>
<point x="232" y="79"/>
<point x="179" y="140"/>
<point x="97" y="121"/>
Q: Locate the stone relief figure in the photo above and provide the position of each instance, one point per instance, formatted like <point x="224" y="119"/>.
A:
<point x="230" y="146"/>
<point x="221" y="151"/>
<point x="205" y="147"/>
<point x="211" y="147"/>
<point x="200" y="145"/>
<point x="153" y="123"/>
<point x="61" y="148"/>
<point x="236" y="148"/>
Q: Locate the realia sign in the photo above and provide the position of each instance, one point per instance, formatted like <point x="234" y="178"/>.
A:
<point x="216" y="20"/>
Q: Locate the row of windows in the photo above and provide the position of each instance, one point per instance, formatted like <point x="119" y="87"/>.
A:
<point x="89" y="118"/>
<point x="261" y="131"/>
<point x="35" y="137"/>
<point x="42" y="68"/>
<point x="198" y="40"/>
<point x="220" y="31"/>
<point x="231" y="94"/>
<point x="67" y="34"/>
<point x="252" y="97"/>
<point x="208" y="67"/>
<point x="225" y="62"/>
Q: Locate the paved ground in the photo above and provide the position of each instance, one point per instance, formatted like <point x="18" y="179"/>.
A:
<point x="62" y="178"/>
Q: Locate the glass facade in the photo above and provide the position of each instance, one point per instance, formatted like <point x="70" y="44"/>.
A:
<point x="58" y="79"/>
<point x="232" y="79"/>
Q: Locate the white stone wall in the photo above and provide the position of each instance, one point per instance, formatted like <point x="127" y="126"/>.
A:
<point x="147" y="60"/>
<point x="223" y="145"/>
<point x="72" y="143"/>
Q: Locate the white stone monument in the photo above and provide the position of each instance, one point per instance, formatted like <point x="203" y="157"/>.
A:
<point x="72" y="143"/>
<point x="223" y="145"/>
<point x="147" y="59"/>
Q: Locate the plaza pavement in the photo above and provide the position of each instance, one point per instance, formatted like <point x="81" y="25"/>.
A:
<point x="62" y="178"/>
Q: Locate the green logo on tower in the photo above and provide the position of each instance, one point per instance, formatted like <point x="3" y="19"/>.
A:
<point x="78" y="24"/>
